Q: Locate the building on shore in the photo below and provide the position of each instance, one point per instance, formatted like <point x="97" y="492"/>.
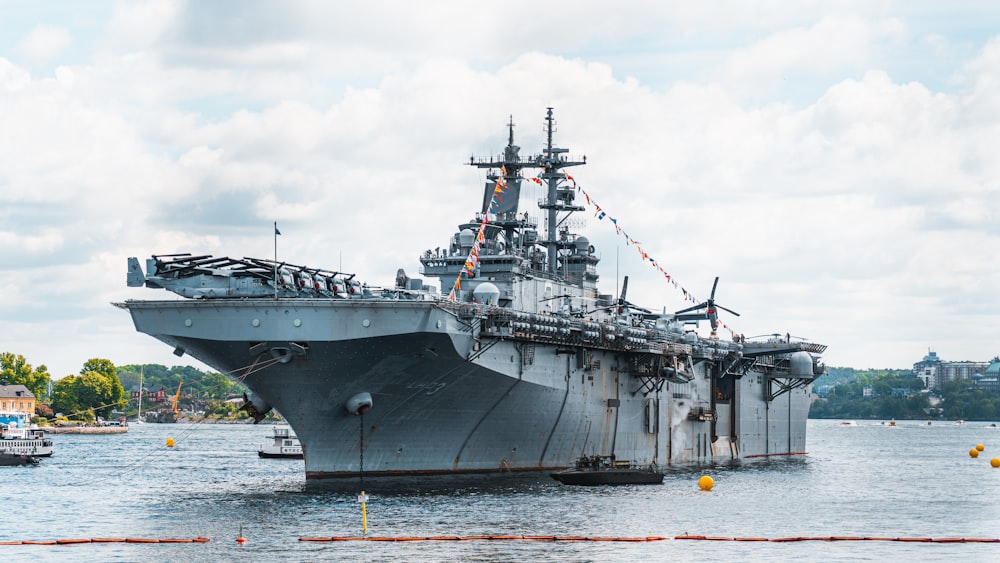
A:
<point x="16" y="398"/>
<point x="935" y="372"/>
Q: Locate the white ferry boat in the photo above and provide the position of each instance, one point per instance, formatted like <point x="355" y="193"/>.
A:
<point x="284" y="445"/>
<point x="19" y="436"/>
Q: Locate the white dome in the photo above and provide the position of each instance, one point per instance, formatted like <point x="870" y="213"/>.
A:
<point x="486" y="293"/>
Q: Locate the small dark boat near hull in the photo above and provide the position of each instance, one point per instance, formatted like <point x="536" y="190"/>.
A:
<point x="608" y="477"/>
<point x="605" y="470"/>
<point x="280" y="456"/>
<point x="8" y="459"/>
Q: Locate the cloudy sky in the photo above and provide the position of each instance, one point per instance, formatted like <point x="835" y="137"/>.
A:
<point x="835" y="163"/>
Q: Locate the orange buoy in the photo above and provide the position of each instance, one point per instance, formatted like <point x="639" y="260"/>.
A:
<point x="995" y="462"/>
<point x="973" y="452"/>
<point x="980" y="447"/>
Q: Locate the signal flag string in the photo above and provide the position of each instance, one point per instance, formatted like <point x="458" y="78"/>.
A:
<point x="601" y="214"/>
<point x="473" y="257"/>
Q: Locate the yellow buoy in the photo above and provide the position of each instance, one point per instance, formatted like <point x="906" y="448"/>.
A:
<point x="973" y="452"/>
<point x="980" y="447"/>
<point x="995" y="462"/>
<point x="706" y="483"/>
<point x="170" y="442"/>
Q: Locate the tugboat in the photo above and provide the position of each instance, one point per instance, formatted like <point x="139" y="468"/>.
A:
<point x="284" y="445"/>
<point x="606" y="470"/>
<point x="9" y="459"/>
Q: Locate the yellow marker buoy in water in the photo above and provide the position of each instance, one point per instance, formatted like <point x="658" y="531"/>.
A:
<point x="995" y="462"/>
<point x="980" y="447"/>
<point x="170" y="442"/>
<point x="973" y="452"/>
<point x="706" y="483"/>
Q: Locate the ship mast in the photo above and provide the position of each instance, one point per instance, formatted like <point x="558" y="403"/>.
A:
<point x="563" y="257"/>
<point x="560" y="197"/>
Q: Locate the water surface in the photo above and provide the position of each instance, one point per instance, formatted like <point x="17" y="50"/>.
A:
<point x="913" y="480"/>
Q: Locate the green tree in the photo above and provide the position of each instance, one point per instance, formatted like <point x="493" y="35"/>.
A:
<point x="17" y="371"/>
<point x="104" y="367"/>
<point x="64" y="396"/>
<point x="98" y="387"/>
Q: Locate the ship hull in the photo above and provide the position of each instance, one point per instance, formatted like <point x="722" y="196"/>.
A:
<point x="447" y="400"/>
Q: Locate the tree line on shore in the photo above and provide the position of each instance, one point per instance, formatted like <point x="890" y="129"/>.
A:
<point x="101" y="389"/>
<point x="898" y="393"/>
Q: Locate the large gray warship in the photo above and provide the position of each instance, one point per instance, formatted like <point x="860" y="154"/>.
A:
<point x="522" y="366"/>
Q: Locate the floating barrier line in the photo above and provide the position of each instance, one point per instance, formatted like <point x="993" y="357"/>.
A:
<point x="646" y="539"/>
<point x="77" y="541"/>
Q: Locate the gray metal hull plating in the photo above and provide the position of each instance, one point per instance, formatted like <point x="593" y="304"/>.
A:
<point x="447" y="401"/>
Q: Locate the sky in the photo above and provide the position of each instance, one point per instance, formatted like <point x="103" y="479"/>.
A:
<point x="833" y="162"/>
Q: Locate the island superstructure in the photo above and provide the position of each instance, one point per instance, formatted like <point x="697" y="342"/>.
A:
<point x="517" y="363"/>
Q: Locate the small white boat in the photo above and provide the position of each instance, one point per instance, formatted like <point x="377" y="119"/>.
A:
<point x="19" y="436"/>
<point x="284" y="444"/>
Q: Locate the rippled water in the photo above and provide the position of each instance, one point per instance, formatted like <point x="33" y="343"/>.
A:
<point x="871" y="480"/>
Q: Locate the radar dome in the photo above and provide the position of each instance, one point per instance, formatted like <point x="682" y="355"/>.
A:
<point x="486" y="293"/>
<point x="466" y="237"/>
<point x="800" y="365"/>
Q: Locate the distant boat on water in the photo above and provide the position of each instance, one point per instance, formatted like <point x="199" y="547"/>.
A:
<point x="606" y="470"/>
<point x="9" y="459"/>
<point x="18" y="436"/>
<point x="284" y="444"/>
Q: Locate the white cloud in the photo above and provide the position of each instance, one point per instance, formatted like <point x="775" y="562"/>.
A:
<point x="861" y="217"/>
<point x="44" y="43"/>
